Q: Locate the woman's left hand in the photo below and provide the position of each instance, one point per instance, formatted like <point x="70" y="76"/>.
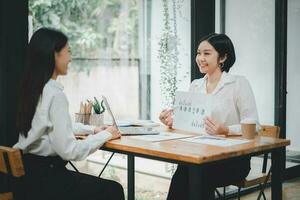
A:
<point x="213" y="127"/>
<point x="100" y="128"/>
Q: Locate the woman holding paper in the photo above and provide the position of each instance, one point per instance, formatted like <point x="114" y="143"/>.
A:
<point x="233" y="104"/>
<point x="46" y="134"/>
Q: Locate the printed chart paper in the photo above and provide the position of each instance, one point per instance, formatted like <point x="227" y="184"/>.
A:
<point x="162" y="136"/>
<point x="189" y="111"/>
<point x="216" y="141"/>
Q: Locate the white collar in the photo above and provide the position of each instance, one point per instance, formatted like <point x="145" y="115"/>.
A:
<point x="225" y="79"/>
<point x="55" y="84"/>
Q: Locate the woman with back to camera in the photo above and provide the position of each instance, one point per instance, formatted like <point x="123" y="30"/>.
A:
<point x="46" y="133"/>
<point x="233" y="104"/>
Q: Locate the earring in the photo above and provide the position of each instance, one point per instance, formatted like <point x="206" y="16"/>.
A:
<point x="221" y="65"/>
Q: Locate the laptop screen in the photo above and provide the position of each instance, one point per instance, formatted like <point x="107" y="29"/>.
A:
<point x="110" y="112"/>
<point x="129" y="130"/>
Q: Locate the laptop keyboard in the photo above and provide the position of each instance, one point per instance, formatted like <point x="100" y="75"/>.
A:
<point x="138" y="130"/>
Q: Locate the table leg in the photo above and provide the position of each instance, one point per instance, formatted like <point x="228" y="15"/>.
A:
<point x="277" y="174"/>
<point x="130" y="176"/>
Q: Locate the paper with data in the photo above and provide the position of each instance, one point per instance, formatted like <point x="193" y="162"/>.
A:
<point x="216" y="141"/>
<point x="162" y="136"/>
<point x="190" y="109"/>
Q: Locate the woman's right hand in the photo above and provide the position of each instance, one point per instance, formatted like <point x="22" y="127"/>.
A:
<point x="166" y="117"/>
<point x="114" y="132"/>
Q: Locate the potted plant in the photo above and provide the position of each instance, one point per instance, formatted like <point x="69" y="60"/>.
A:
<point x="97" y="116"/>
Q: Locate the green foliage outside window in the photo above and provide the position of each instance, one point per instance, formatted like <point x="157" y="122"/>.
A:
<point x="96" y="28"/>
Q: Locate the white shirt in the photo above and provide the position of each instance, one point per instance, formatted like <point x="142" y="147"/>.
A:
<point x="52" y="131"/>
<point x="233" y="101"/>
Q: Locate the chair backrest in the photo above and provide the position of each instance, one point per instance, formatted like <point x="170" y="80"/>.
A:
<point x="269" y="131"/>
<point x="11" y="164"/>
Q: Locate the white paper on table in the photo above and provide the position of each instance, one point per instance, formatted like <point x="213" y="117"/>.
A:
<point x="216" y="141"/>
<point x="143" y="123"/>
<point x="133" y="122"/>
<point x="189" y="111"/>
<point x="161" y="137"/>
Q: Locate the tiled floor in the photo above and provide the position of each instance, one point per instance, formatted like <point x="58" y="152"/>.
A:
<point x="149" y="187"/>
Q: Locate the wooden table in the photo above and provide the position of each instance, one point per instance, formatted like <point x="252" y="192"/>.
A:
<point x="197" y="156"/>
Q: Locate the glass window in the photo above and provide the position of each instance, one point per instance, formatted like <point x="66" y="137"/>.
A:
<point x="253" y="36"/>
<point x="103" y="36"/>
<point x="293" y="74"/>
<point x="170" y="52"/>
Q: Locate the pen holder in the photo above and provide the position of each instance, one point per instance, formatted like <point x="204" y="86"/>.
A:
<point x="96" y="119"/>
<point x="82" y="118"/>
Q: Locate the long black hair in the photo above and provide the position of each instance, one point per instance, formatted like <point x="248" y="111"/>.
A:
<point x="40" y="65"/>
<point x="223" y="46"/>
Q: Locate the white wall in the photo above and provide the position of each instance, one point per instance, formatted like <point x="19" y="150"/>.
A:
<point x="293" y="75"/>
<point x="250" y="25"/>
<point x="184" y="33"/>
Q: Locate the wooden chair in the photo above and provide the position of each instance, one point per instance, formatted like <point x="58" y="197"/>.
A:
<point x="11" y="165"/>
<point x="262" y="178"/>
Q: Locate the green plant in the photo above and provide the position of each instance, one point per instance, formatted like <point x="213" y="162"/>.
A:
<point x="95" y="27"/>
<point x="168" y="55"/>
<point x="98" y="107"/>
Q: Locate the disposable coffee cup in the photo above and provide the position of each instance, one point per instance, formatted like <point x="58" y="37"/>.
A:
<point x="248" y="131"/>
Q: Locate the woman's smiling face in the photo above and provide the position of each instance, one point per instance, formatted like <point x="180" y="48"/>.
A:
<point x="207" y="58"/>
<point x="62" y="59"/>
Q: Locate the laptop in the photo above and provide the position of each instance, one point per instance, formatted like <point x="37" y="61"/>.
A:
<point x="129" y="131"/>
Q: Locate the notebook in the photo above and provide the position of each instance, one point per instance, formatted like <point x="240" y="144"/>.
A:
<point x="127" y="131"/>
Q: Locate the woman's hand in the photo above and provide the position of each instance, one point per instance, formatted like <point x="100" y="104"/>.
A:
<point x="114" y="131"/>
<point x="100" y="128"/>
<point x="213" y="127"/>
<point x="166" y="117"/>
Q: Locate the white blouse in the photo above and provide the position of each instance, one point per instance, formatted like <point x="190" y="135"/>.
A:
<point x="233" y="101"/>
<point x="52" y="131"/>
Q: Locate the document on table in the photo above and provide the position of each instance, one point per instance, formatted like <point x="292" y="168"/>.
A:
<point x="133" y="122"/>
<point x="162" y="136"/>
<point x="215" y="141"/>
